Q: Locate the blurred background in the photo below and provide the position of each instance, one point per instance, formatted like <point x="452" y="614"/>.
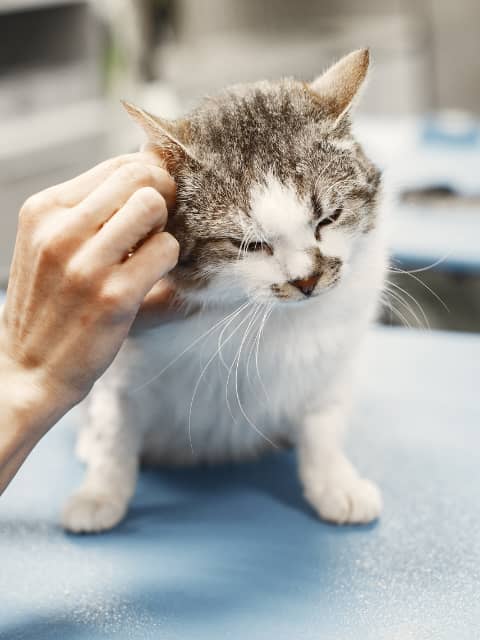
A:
<point x="64" y="65"/>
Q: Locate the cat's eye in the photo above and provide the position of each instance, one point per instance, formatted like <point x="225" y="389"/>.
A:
<point x="333" y="217"/>
<point x="251" y="247"/>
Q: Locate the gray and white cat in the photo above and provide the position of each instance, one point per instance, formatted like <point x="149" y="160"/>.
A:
<point x="282" y="247"/>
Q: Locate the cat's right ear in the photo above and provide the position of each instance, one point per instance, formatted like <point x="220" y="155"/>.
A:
<point x="168" y="137"/>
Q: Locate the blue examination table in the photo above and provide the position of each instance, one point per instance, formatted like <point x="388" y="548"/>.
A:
<point x="234" y="552"/>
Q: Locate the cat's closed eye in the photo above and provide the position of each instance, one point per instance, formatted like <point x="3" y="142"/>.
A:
<point x="333" y="217"/>
<point x="250" y="247"/>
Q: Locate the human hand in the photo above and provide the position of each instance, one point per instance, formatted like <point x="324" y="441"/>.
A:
<point x="87" y="253"/>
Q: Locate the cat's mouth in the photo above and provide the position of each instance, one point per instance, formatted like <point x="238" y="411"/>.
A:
<point x="301" y="291"/>
<point x="288" y="293"/>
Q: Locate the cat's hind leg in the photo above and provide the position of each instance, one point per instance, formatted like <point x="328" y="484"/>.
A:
<point x="332" y="485"/>
<point x="110" y="449"/>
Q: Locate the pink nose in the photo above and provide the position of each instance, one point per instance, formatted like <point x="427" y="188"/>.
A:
<point x="306" y="285"/>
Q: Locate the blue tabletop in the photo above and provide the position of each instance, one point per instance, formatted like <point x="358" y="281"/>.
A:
<point x="234" y="552"/>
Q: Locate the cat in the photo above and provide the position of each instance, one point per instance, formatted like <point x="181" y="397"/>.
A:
<point x="282" y="247"/>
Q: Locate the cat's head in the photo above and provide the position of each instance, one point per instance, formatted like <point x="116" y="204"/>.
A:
<point x="272" y="190"/>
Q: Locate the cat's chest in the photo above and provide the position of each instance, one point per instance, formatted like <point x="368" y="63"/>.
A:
<point x="228" y="384"/>
<point x="239" y="356"/>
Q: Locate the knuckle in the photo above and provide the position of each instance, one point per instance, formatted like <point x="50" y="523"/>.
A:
<point x="150" y="201"/>
<point x="78" y="276"/>
<point x="32" y="207"/>
<point x="121" y="161"/>
<point x="142" y="174"/>
<point x="109" y="298"/>
<point x="116" y="298"/>
<point x="49" y="254"/>
<point x="136" y="173"/>
<point x="57" y="243"/>
<point x="51" y="242"/>
<point x="47" y="247"/>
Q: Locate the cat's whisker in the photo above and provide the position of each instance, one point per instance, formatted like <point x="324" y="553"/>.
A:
<point x="413" y="299"/>
<point x="250" y="354"/>
<point x="262" y="328"/>
<point x="399" y="315"/>
<point x="393" y="312"/>
<point x="203" y="372"/>
<point x="426" y="267"/>
<point x="397" y="270"/>
<point x="385" y="301"/>
<point x="237" y="358"/>
<point x="222" y="332"/>
<point x="396" y="296"/>
<point x="253" y="346"/>
<point x="415" y="321"/>
<point x="228" y="369"/>
<point x="190" y="346"/>
<point x="231" y="318"/>
<point x="227" y="399"/>
<point x="242" y="410"/>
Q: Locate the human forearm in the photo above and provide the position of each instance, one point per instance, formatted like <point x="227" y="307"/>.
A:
<point x="27" y="411"/>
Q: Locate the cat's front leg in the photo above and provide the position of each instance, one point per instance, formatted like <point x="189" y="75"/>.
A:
<point x="110" y="449"/>
<point x="332" y="485"/>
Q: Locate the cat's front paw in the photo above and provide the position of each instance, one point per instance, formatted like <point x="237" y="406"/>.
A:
<point x="92" y="513"/>
<point x="345" y="500"/>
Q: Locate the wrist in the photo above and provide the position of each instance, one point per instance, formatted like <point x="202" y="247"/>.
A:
<point x="29" y="405"/>
<point x="28" y="409"/>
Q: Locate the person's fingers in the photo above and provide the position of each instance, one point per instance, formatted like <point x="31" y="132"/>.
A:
<point x="114" y="192"/>
<point x="161" y="296"/>
<point x="150" y="262"/>
<point x="72" y="192"/>
<point x="143" y="213"/>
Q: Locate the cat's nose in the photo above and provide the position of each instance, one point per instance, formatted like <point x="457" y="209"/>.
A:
<point x="306" y="285"/>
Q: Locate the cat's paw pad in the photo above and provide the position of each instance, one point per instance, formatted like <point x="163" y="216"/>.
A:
<point x="348" y="501"/>
<point x="92" y="513"/>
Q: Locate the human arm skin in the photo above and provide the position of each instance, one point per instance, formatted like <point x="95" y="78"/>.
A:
<point x="87" y="253"/>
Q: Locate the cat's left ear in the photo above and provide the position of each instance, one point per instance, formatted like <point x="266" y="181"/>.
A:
<point x="340" y="84"/>
<point x="169" y="137"/>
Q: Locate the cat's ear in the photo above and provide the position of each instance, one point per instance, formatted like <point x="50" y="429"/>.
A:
<point x="339" y="85"/>
<point x="167" y="136"/>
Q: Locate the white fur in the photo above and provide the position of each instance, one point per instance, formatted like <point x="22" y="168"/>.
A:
<point x="284" y="221"/>
<point x="175" y="398"/>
